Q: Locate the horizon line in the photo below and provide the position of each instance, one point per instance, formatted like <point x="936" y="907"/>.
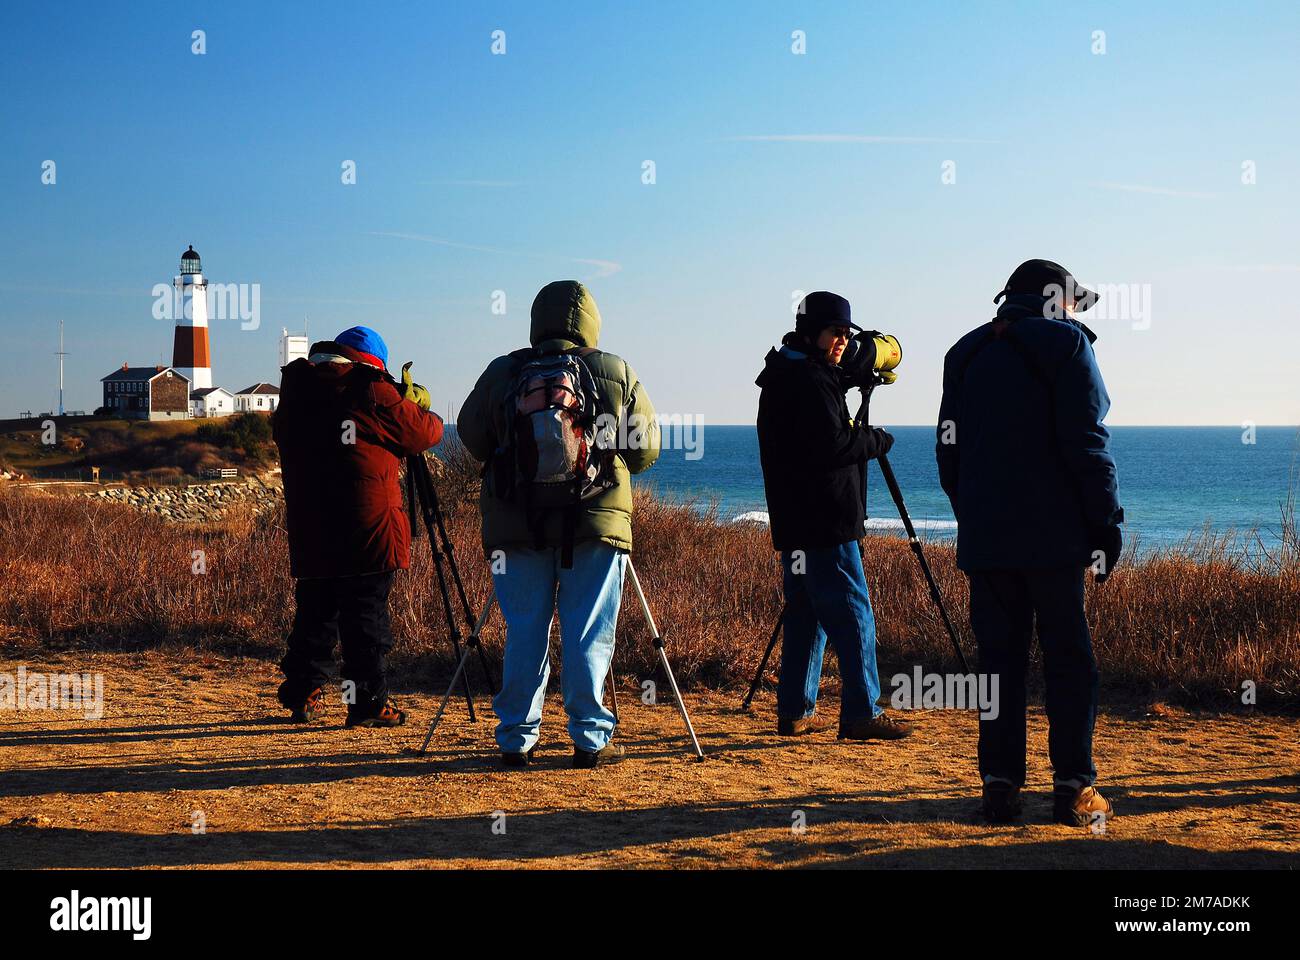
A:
<point x="1166" y="426"/>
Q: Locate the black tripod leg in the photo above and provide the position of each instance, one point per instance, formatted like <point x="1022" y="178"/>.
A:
<point x="411" y="503"/>
<point x="428" y="498"/>
<point x="437" y="717"/>
<point x="436" y="511"/>
<point x="493" y="686"/>
<point x="892" y="482"/>
<point x="455" y="631"/>
<point x="762" y="666"/>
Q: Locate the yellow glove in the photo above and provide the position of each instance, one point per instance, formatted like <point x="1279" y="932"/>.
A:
<point x="886" y="377"/>
<point x="413" y="391"/>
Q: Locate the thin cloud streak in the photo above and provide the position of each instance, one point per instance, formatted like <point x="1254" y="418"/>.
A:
<point x="143" y="292"/>
<point x="1158" y="191"/>
<point x="844" y="138"/>
<point x="604" y="268"/>
<point x="470" y="183"/>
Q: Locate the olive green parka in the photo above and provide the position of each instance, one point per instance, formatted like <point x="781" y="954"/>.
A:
<point x="564" y="316"/>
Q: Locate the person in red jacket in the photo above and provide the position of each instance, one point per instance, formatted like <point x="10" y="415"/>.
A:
<point x="342" y="427"/>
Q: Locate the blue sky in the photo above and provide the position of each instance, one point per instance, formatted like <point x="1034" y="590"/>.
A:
<point x="775" y="172"/>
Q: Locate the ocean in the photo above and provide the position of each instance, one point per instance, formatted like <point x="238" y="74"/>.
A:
<point x="1174" y="482"/>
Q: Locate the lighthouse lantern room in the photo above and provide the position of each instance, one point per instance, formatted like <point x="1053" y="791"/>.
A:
<point x="191" y="355"/>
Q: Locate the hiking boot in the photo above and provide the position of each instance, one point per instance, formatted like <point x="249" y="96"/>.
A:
<point x="798" y="726"/>
<point x="585" y="759"/>
<point x="302" y="709"/>
<point x="1002" y="802"/>
<point x="515" y="759"/>
<point x="882" y="727"/>
<point x="1080" y="806"/>
<point x="387" y="715"/>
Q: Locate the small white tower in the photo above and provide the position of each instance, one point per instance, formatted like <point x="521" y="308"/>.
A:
<point x="293" y="346"/>
<point x="191" y="355"/>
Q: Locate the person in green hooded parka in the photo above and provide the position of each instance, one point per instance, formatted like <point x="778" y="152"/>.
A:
<point x="528" y="548"/>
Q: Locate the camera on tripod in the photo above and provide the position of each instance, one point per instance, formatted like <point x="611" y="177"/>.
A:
<point x="871" y="357"/>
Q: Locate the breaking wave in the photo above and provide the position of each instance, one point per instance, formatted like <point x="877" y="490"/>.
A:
<point x="760" y="517"/>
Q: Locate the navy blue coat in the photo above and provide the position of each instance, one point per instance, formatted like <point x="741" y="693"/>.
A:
<point x="1030" y="475"/>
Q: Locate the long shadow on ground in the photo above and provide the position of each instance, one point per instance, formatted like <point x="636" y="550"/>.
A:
<point x="535" y="835"/>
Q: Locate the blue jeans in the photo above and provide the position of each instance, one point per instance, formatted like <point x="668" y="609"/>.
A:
<point x="530" y="590"/>
<point x="828" y="599"/>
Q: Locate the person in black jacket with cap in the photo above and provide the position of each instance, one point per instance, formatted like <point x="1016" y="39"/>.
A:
<point x="1025" y="460"/>
<point x="814" y="472"/>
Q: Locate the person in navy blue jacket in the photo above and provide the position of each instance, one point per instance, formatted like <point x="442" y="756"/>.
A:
<point x="1025" y="461"/>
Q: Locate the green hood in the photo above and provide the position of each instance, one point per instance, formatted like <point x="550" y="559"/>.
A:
<point x="564" y="315"/>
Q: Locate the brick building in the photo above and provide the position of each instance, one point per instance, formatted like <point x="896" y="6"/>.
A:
<point x="147" y="393"/>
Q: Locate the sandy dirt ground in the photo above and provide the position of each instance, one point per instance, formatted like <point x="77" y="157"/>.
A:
<point x="199" y="741"/>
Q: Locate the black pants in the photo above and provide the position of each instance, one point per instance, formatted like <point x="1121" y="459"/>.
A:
<point x="351" y="609"/>
<point x="1003" y="604"/>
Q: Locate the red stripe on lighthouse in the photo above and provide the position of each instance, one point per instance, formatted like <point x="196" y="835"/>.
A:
<point x="191" y="348"/>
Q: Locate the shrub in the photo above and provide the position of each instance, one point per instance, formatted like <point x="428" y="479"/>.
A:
<point x="1188" y="624"/>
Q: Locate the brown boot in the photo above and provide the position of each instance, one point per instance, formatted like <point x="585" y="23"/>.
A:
<point x="304" y="709"/>
<point x="798" y="726"/>
<point x="882" y="727"/>
<point x="1077" y="806"/>
<point x="386" y="715"/>
<point x="1002" y="801"/>
<point x="586" y="759"/>
<point x="515" y="759"/>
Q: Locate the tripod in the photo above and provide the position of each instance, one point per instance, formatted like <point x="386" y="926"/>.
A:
<point x="897" y="494"/>
<point x="421" y="493"/>
<point x="655" y="638"/>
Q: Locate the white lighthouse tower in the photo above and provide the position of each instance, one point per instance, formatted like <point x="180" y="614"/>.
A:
<point x="191" y="355"/>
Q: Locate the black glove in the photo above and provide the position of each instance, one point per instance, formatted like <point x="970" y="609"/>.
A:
<point x="884" y="441"/>
<point x="1108" y="542"/>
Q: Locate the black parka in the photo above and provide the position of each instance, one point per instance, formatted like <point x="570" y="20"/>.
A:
<point x="814" y="462"/>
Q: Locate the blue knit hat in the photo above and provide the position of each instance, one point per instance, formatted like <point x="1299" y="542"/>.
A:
<point x="365" y="340"/>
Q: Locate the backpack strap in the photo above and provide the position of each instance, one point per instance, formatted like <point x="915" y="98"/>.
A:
<point x="984" y="341"/>
<point x="1037" y="372"/>
<point x="1007" y="336"/>
<point x="568" y="527"/>
<point x="501" y="461"/>
<point x="1030" y="361"/>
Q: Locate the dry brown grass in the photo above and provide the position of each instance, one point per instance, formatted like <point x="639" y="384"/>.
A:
<point x="1190" y="624"/>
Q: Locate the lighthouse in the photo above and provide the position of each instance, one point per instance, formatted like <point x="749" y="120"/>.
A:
<point x="191" y="355"/>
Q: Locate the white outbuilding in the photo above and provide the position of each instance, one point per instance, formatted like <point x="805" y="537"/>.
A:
<point x="259" y="398"/>
<point x="212" y="402"/>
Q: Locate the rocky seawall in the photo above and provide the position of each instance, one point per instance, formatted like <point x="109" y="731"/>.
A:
<point x="199" y="502"/>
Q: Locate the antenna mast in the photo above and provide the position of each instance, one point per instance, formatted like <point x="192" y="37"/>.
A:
<point x="61" y="354"/>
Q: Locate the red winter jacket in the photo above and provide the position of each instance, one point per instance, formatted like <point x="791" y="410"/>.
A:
<point x="343" y="504"/>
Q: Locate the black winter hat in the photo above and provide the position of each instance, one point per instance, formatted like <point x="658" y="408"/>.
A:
<point x="1035" y="277"/>
<point x="819" y="310"/>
